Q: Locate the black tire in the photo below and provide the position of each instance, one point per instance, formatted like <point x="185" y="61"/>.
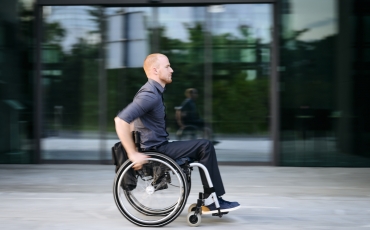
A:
<point x="141" y="214"/>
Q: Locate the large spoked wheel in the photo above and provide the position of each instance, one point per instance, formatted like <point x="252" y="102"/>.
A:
<point x="144" y="209"/>
<point x="154" y="195"/>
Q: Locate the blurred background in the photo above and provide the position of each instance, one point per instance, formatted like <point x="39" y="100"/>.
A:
<point x="280" y="82"/>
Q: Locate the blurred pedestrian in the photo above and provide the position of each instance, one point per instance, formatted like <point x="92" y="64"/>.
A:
<point x="187" y="116"/>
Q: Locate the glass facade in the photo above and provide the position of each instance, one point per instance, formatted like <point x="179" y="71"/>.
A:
<point x="91" y="67"/>
<point x="219" y="51"/>
<point x="324" y="83"/>
<point x="16" y="82"/>
<point x="71" y="68"/>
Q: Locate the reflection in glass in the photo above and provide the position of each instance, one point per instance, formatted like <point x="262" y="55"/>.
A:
<point x="16" y="74"/>
<point x="241" y="43"/>
<point x="307" y="98"/>
<point x="238" y="34"/>
<point x="70" y="60"/>
<point x="223" y="52"/>
<point x="323" y="112"/>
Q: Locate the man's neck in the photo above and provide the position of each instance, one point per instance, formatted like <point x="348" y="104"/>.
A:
<point x="158" y="81"/>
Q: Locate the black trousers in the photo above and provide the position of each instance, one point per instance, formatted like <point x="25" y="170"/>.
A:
<point x="200" y="150"/>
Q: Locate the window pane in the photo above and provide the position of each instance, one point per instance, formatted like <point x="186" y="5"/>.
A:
<point x="71" y="65"/>
<point x="16" y="82"/>
<point x="241" y="106"/>
<point x="323" y="111"/>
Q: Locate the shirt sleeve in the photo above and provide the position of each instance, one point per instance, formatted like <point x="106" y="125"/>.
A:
<point x="143" y="103"/>
<point x="185" y="105"/>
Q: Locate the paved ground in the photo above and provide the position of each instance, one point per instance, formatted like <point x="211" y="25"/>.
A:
<point x="48" y="197"/>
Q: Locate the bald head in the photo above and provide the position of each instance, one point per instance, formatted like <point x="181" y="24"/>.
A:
<point x="157" y="67"/>
<point x="152" y="60"/>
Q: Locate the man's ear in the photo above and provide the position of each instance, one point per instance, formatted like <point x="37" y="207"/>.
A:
<point x="155" y="70"/>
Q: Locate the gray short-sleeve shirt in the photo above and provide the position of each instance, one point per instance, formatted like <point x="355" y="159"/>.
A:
<point x="148" y="113"/>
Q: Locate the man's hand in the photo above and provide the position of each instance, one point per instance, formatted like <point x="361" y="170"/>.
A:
<point x="138" y="159"/>
<point x="123" y="130"/>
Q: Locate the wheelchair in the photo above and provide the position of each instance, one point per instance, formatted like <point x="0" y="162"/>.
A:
<point x="156" y="195"/>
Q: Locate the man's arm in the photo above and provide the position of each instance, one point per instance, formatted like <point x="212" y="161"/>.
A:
<point x="178" y="116"/>
<point x="123" y="130"/>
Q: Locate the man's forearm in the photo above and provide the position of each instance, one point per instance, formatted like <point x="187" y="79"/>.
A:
<point x="123" y="130"/>
<point x="178" y="118"/>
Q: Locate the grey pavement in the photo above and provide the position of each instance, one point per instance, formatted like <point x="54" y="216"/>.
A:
<point x="45" y="197"/>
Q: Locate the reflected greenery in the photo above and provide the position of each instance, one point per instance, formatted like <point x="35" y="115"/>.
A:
<point x="74" y="90"/>
<point x="240" y="102"/>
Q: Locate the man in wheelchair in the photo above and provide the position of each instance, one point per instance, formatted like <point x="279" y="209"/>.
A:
<point x="146" y="114"/>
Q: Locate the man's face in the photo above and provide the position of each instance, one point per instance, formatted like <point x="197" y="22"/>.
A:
<point x="194" y="95"/>
<point x="164" y="70"/>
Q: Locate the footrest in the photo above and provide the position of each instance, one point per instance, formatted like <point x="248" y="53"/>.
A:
<point x="222" y="213"/>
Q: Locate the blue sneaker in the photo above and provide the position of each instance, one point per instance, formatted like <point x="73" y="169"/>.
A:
<point x="225" y="206"/>
<point x="220" y="200"/>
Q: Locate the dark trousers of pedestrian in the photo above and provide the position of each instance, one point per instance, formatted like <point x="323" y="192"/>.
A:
<point x="200" y="150"/>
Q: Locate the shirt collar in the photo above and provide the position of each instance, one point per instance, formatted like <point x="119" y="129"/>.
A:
<point x="157" y="85"/>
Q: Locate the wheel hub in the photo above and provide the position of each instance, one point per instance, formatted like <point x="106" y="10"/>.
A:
<point x="149" y="190"/>
<point x="193" y="219"/>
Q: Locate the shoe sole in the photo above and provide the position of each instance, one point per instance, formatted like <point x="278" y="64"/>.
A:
<point x="205" y="211"/>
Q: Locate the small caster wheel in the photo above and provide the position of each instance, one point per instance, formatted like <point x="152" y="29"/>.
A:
<point x="192" y="208"/>
<point x="194" y="220"/>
